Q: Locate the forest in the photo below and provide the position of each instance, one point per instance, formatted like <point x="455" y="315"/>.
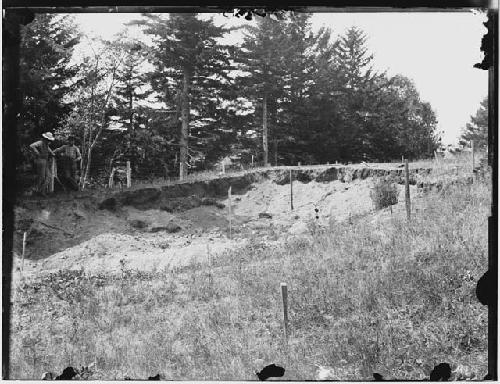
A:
<point x="178" y="99"/>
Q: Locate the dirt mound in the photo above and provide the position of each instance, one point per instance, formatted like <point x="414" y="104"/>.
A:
<point x="151" y="251"/>
<point x="187" y="195"/>
<point x="260" y="206"/>
<point x="334" y="201"/>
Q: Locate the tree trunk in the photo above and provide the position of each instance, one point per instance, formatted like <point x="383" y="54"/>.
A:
<point x="264" y="130"/>
<point x="131" y="112"/>
<point x="183" y="142"/>
<point x="275" y="152"/>
<point x="87" y="167"/>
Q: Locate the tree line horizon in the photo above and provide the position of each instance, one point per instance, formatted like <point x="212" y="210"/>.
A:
<point x="285" y="95"/>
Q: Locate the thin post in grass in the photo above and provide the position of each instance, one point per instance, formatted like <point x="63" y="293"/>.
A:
<point x="252" y="161"/>
<point x="229" y="212"/>
<point x="111" y="182"/>
<point x="291" y="189"/>
<point x="284" y="300"/>
<point x="407" y="190"/>
<point x="25" y="235"/>
<point x="129" y="175"/>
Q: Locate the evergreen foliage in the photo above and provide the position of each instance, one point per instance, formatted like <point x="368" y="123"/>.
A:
<point x="477" y="128"/>
<point x="182" y="96"/>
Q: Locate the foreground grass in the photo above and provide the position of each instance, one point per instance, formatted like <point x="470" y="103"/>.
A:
<point x="377" y="294"/>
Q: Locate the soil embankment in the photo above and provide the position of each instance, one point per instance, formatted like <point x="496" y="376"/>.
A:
<point x="162" y="197"/>
<point x="153" y="226"/>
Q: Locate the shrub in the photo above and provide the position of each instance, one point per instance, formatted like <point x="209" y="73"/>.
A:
<point x="384" y="193"/>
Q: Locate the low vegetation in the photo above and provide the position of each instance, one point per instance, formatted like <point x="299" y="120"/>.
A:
<point x="384" y="193"/>
<point x="374" y="294"/>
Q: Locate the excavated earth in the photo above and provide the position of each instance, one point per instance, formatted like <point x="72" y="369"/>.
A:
<point x="174" y="225"/>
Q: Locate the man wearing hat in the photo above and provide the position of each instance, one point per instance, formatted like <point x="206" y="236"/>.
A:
<point x="71" y="157"/>
<point x="42" y="151"/>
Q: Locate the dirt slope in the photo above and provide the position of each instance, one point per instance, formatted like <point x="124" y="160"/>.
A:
<point x="169" y="226"/>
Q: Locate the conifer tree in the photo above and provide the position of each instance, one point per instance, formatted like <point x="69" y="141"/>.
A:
<point x="477" y="128"/>
<point x="46" y="74"/>
<point x="190" y="73"/>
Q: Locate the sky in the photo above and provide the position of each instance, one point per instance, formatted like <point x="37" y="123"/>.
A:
<point x="437" y="50"/>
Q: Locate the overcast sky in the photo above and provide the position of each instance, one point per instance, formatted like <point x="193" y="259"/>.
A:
<point x="436" y="50"/>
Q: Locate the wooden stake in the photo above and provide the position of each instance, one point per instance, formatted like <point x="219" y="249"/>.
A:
<point x="229" y="212"/>
<point x="252" y="161"/>
<point x="111" y="178"/>
<point x="407" y="190"/>
<point x="181" y="170"/>
<point x="24" y="250"/>
<point x="291" y="190"/>
<point x="129" y="175"/>
<point x="284" y="298"/>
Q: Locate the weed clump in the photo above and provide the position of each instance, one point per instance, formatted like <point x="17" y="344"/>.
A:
<point x="384" y="193"/>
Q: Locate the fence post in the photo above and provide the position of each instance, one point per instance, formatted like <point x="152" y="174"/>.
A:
<point x="129" y="175"/>
<point x="229" y="212"/>
<point x="111" y="178"/>
<point x="223" y="167"/>
<point x="291" y="190"/>
<point x="252" y="161"/>
<point x="407" y="190"/>
<point x="472" y="150"/>
<point x="284" y="299"/>
<point x="24" y="250"/>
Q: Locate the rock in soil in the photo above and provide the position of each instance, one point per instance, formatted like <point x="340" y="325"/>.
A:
<point x="170" y="228"/>
<point x="109" y="204"/>
<point x="265" y="215"/>
<point x="139" y="224"/>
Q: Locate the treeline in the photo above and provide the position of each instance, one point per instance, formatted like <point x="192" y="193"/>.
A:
<point x="285" y="94"/>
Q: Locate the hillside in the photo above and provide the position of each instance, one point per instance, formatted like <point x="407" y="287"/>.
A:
<point x="368" y="291"/>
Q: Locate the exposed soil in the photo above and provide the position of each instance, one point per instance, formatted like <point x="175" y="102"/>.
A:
<point x="169" y="226"/>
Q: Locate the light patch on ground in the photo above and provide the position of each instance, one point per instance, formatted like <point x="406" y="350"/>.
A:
<point x="147" y="252"/>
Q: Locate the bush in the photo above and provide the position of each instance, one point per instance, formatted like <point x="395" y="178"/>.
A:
<point x="384" y="193"/>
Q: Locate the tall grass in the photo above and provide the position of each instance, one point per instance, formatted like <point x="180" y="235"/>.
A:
<point x="377" y="294"/>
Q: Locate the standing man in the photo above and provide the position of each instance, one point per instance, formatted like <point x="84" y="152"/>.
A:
<point x="42" y="151"/>
<point x="72" y="156"/>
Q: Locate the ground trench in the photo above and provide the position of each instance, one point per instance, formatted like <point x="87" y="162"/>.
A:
<point x="169" y="197"/>
<point x="187" y="209"/>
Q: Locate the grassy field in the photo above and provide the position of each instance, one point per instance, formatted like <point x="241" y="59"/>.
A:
<point x="375" y="294"/>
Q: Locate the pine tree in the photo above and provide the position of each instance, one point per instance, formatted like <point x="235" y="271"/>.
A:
<point x="262" y="57"/>
<point x="477" y="128"/>
<point x="46" y="74"/>
<point x="359" y="81"/>
<point x="190" y="72"/>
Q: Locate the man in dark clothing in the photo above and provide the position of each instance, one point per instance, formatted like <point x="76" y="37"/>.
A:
<point x="42" y="152"/>
<point x="70" y="158"/>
